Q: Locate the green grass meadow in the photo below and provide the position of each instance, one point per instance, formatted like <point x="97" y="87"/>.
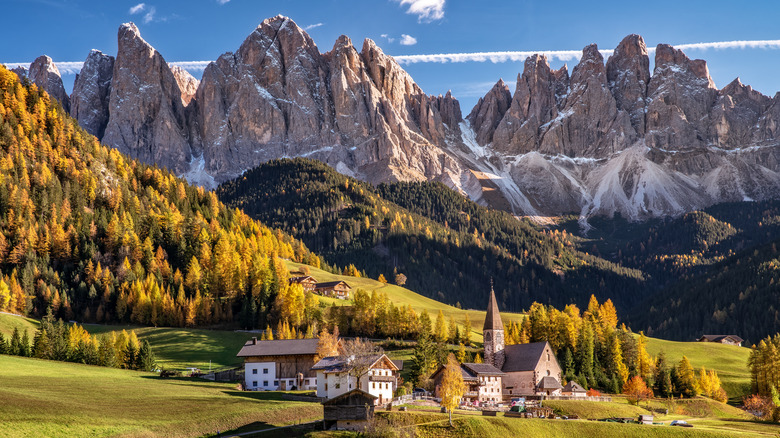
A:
<point x="729" y="361"/>
<point x="401" y="297"/>
<point x="56" y="399"/>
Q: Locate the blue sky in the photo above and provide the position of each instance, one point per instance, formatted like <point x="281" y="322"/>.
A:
<point x="200" y="30"/>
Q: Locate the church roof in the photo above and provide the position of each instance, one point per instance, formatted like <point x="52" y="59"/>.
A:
<point x="523" y="357"/>
<point x="493" y="317"/>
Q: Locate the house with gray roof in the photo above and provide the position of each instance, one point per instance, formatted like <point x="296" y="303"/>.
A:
<point x="482" y="382"/>
<point x="279" y="365"/>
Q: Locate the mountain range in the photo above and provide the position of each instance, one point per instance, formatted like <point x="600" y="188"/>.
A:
<point x="608" y="138"/>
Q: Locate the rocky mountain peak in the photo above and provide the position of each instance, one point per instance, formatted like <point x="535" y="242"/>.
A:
<point x="591" y="65"/>
<point x="628" y="74"/>
<point x="488" y="112"/>
<point x="92" y="92"/>
<point x="187" y="84"/>
<point x="45" y="74"/>
<point x="146" y="116"/>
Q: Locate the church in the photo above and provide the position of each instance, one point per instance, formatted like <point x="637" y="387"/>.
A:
<point x="529" y="369"/>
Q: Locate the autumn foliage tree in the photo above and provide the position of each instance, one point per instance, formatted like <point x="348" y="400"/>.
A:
<point x="636" y="390"/>
<point x="451" y="387"/>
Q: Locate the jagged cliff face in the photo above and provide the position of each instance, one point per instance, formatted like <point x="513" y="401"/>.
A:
<point x="611" y="137"/>
<point x="92" y="92"/>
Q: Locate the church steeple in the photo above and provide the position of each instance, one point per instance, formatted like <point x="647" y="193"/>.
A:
<point x="493" y="333"/>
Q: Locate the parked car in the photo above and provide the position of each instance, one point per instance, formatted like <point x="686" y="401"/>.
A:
<point x="681" y="423"/>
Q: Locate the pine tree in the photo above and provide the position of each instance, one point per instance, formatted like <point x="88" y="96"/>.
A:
<point x="440" y="329"/>
<point x="467" y="331"/>
<point x="24" y="349"/>
<point x="423" y="359"/>
<point x="146" y="360"/>
<point x="16" y="343"/>
<point x="663" y="378"/>
<point x="3" y="345"/>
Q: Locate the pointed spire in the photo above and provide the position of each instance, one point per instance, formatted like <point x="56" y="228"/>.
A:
<point x="493" y="317"/>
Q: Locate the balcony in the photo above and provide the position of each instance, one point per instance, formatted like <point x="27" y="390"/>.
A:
<point x="470" y="394"/>
<point x="381" y="379"/>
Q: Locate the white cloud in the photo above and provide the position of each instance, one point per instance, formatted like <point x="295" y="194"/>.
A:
<point x="570" y="55"/>
<point x="408" y="40"/>
<point x="426" y="10"/>
<point x="137" y="8"/>
<point x="222" y="2"/>
<point x="387" y="37"/>
<point x="71" y="67"/>
<point x="150" y="15"/>
<point x="312" y="26"/>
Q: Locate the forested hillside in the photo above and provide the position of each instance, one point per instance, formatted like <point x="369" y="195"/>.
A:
<point x="94" y="236"/>
<point x="714" y="269"/>
<point x="447" y="247"/>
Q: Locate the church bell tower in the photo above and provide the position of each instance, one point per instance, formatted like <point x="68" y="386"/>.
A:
<point x="493" y="333"/>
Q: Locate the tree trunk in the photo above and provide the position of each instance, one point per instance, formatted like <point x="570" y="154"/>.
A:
<point x="450" y="411"/>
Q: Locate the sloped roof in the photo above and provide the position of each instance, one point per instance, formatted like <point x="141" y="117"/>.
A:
<point x="493" y="317"/>
<point x="549" y="382"/>
<point x="354" y="394"/>
<point x="331" y="284"/>
<point x="303" y="278"/>
<point x="718" y="338"/>
<point x="337" y="364"/>
<point x="523" y="357"/>
<point x="467" y="375"/>
<point x="282" y="347"/>
<point x="483" y="369"/>
<point x="573" y="386"/>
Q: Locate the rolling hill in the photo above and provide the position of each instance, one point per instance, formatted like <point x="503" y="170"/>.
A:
<point x="449" y="248"/>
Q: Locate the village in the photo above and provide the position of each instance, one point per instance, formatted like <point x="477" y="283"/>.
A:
<point x="352" y="379"/>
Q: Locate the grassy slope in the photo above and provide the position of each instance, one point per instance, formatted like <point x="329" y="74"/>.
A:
<point x="504" y="427"/>
<point x="729" y="361"/>
<point x="47" y="398"/>
<point x="174" y="348"/>
<point x="401" y="297"/>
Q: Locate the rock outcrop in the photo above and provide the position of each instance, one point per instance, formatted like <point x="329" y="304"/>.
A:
<point x="628" y="74"/>
<point x="489" y="110"/>
<point x="680" y="94"/>
<point x="45" y="74"/>
<point x="91" y="93"/>
<point x="146" y="115"/>
<point x="188" y="85"/>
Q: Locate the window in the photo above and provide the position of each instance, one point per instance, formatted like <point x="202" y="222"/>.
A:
<point x="326" y="386"/>
<point x="373" y="386"/>
<point x="548" y="372"/>
<point x="254" y="383"/>
<point x="254" y="370"/>
<point x="265" y="370"/>
<point x="265" y="382"/>
<point x="276" y="383"/>
<point x="548" y="357"/>
<point x="337" y="386"/>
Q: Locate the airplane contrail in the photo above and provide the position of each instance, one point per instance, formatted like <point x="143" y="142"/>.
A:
<point x="72" y="67"/>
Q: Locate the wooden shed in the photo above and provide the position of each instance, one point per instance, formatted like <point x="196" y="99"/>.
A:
<point x="352" y="410"/>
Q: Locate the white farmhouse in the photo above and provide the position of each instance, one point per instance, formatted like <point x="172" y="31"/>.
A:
<point x="336" y="376"/>
<point x="279" y="365"/>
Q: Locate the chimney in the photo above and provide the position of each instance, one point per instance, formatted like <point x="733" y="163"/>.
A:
<point x="254" y="341"/>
